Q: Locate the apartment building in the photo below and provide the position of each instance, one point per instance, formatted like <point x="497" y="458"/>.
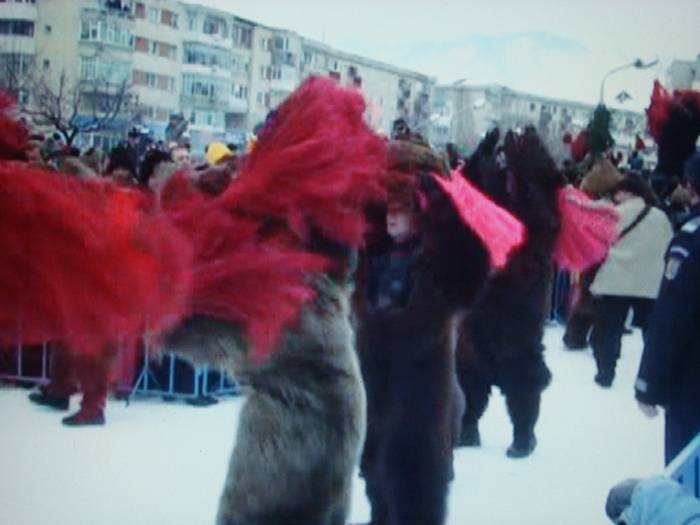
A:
<point x="390" y="92"/>
<point x="462" y="114"/>
<point x="684" y="74"/>
<point x="18" y="26"/>
<point x="222" y="73"/>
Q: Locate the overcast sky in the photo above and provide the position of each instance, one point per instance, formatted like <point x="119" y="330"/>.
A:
<point x="553" y="48"/>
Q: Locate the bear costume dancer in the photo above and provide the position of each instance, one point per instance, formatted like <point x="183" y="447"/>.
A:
<point x="500" y="341"/>
<point x="409" y="291"/>
<point x="273" y="259"/>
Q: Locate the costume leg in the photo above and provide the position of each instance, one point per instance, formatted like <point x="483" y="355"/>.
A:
<point x="476" y="385"/>
<point x="522" y="381"/>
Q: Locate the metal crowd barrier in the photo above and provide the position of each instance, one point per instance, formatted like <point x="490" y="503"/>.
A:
<point x="14" y="370"/>
<point x="685" y="467"/>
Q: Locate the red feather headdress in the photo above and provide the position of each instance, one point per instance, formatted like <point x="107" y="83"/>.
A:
<point x="313" y="170"/>
<point x="84" y="261"/>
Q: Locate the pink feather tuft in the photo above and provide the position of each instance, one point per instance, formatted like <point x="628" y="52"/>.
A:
<point x="588" y="229"/>
<point x="500" y="231"/>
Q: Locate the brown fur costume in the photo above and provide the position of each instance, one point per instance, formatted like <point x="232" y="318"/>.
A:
<point x="302" y="427"/>
<point x="501" y="340"/>
<point x="413" y="401"/>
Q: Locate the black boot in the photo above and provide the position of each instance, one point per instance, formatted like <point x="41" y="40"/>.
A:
<point x="522" y="446"/>
<point x="469" y="436"/>
<point x="606" y="373"/>
<point x="50" y="399"/>
<point x="605" y="377"/>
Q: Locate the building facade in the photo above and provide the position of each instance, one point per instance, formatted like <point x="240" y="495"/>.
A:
<point x="223" y="74"/>
<point x="462" y="114"/>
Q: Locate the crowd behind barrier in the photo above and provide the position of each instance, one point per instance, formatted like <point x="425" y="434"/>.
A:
<point x="171" y="377"/>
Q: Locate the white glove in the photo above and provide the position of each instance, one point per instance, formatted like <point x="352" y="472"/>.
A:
<point x="648" y="410"/>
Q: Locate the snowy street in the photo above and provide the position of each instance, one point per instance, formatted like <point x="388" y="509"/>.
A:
<point x="158" y="463"/>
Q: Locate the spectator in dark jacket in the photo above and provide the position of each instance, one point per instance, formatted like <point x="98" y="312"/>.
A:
<point x="669" y="372"/>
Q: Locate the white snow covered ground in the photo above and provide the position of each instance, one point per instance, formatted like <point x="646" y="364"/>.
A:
<point x="157" y="463"/>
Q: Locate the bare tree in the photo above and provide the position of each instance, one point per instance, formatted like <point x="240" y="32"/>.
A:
<point x="79" y="106"/>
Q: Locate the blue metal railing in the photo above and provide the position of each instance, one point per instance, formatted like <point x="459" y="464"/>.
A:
<point x="685" y="467"/>
<point x="145" y="384"/>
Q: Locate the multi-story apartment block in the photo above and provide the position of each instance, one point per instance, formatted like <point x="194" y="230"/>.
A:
<point x="684" y="74"/>
<point x="157" y="61"/>
<point x="462" y="114"/>
<point x="224" y="74"/>
<point x="390" y="92"/>
<point x="18" y="50"/>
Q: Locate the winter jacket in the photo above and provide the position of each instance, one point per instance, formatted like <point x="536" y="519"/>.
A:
<point x="635" y="263"/>
<point x="669" y="371"/>
<point x="661" y="501"/>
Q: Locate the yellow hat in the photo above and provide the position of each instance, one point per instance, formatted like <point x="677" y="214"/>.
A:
<point x="216" y="152"/>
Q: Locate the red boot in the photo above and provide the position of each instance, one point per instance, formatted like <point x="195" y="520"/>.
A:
<point x="92" y="373"/>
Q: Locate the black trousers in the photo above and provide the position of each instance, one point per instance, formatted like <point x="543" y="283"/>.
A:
<point x="610" y="314"/>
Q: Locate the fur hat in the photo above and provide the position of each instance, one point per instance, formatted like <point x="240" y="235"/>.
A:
<point x="601" y="179"/>
<point x="402" y="195"/>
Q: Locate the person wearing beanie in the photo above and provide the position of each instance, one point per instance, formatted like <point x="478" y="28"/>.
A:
<point x="670" y="365"/>
<point x="217" y="152"/>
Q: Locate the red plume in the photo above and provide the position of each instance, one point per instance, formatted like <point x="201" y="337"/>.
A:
<point x="13" y="134"/>
<point x="316" y="163"/>
<point x="500" y="231"/>
<point x="588" y="229"/>
<point x="579" y="147"/>
<point x="83" y="262"/>
<point x="315" y="166"/>
<point x="657" y="112"/>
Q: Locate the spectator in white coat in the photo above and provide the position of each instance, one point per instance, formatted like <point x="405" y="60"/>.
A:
<point x="631" y="274"/>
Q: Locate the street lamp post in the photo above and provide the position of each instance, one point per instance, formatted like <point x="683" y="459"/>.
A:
<point x="637" y="64"/>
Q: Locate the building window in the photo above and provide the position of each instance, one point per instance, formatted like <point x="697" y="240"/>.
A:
<point x="241" y="36"/>
<point x="21" y="63"/>
<point x="17" y="27"/>
<point x="191" y="21"/>
<point x="239" y="91"/>
<point x="106" y="32"/>
<point x="93" y="68"/>
<point x="154" y="15"/>
<point x="88" y="67"/>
